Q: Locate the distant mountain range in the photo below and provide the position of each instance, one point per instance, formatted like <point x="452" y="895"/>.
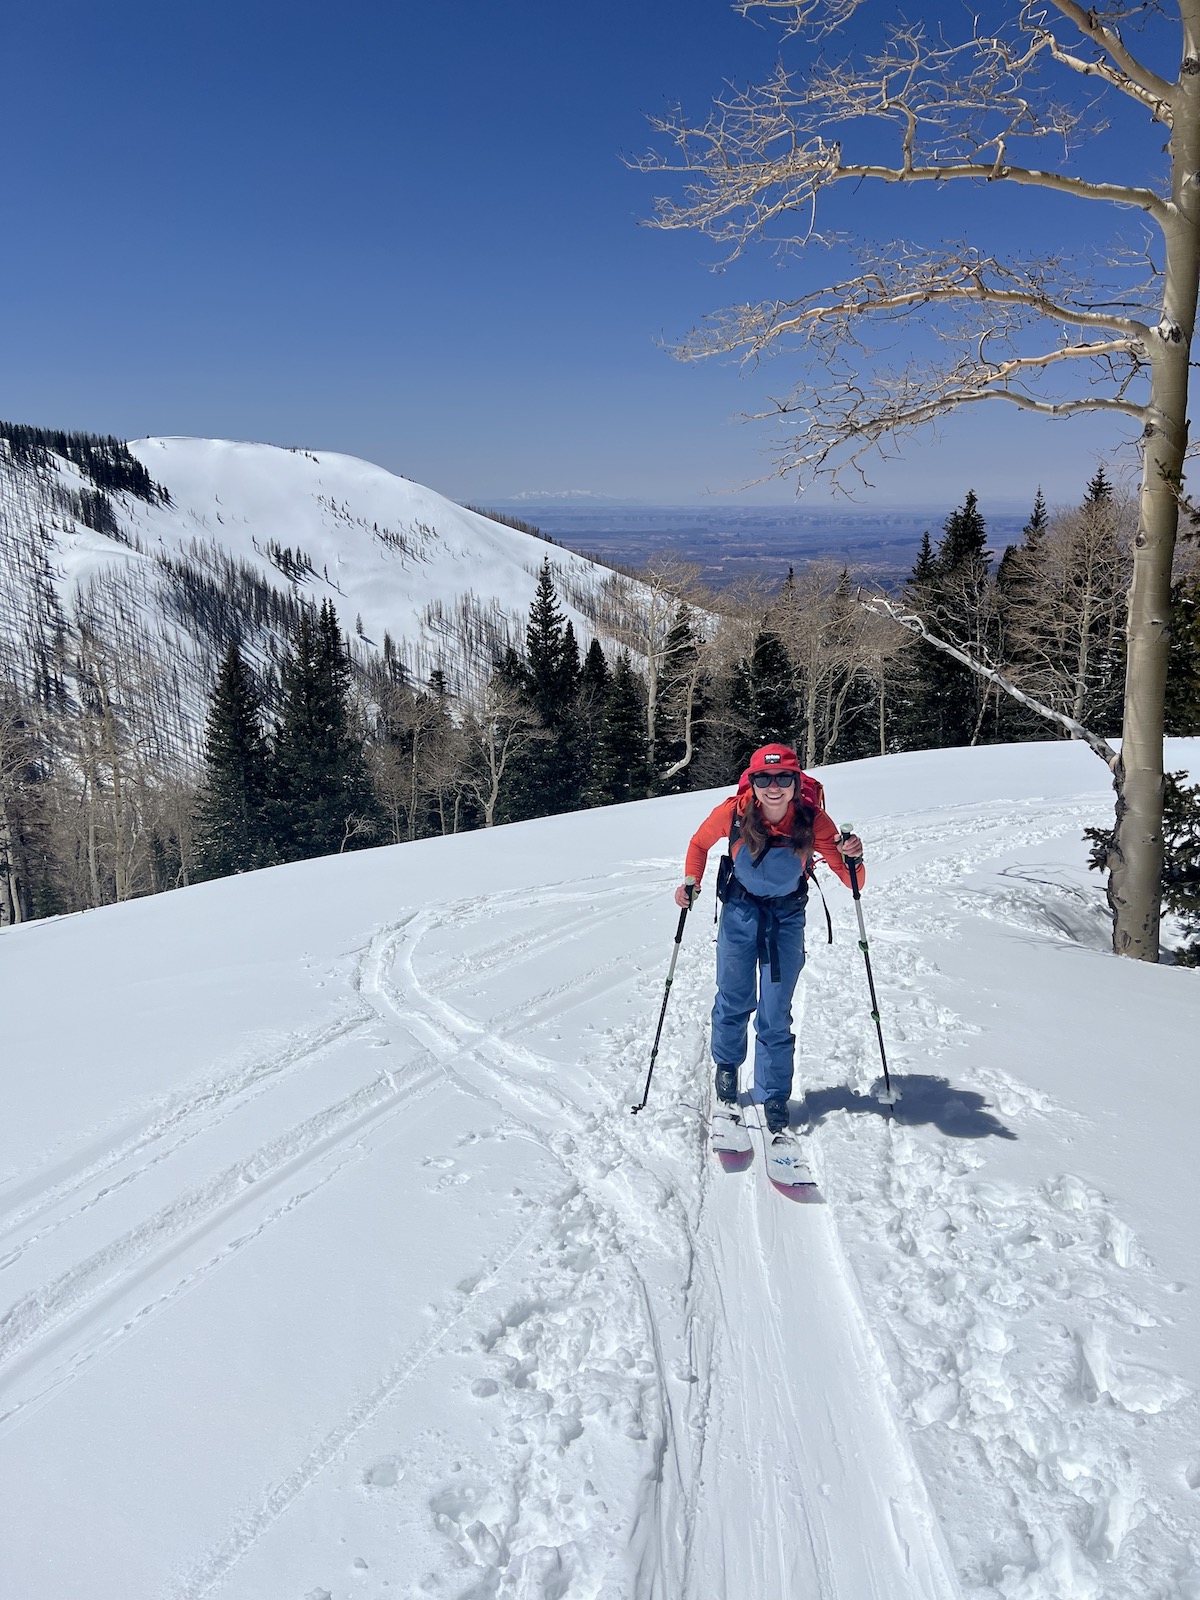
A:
<point x="730" y="542"/>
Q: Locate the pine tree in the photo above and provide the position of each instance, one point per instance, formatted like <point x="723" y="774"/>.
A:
<point x="925" y="566"/>
<point x="1019" y="561"/>
<point x="945" y="703"/>
<point x="1017" y="583"/>
<point x="231" y="828"/>
<point x="320" y="791"/>
<point x="1104" y="702"/>
<point x="1099" y="489"/>
<point x="621" y="768"/>
<point x="548" y="774"/>
<point x="772" y="685"/>
<point x="1183" y="670"/>
<point x="594" y="676"/>
<point x="552" y="674"/>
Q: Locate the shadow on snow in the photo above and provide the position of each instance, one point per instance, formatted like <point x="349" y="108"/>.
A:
<point x="960" y="1113"/>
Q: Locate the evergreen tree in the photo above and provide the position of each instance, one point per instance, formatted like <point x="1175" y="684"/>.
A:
<point x="320" y="791"/>
<point x="552" y="664"/>
<point x="546" y="774"/>
<point x="231" y="829"/>
<point x="1017" y="583"/>
<point x="594" y="676"/>
<point x="594" y="681"/>
<point x="1099" y="489"/>
<point x="925" y="566"/>
<point x="944" y="705"/>
<point x="1104" y="703"/>
<point x="1019" y="561"/>
<point x="621" y="769"/>
<point x="1183" y="669"/>
<point x="510" y="671"/>
<point x="771" y="682"/>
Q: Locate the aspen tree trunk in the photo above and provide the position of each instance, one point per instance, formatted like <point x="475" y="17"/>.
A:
<point x="882" y="712"/>
<point x="10" y="902"/>
<point x="1135" y="862"/>
<point x="1079" y="704"/>
<point x="810" y="710"/>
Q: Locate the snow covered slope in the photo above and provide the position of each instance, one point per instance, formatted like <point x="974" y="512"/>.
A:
<point x="401" y="556"/>
<point x="333" y="1264"/>
<point x="250" y="530"/>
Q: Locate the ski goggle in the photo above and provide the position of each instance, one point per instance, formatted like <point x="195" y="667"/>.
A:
<point x="781" y="780"/>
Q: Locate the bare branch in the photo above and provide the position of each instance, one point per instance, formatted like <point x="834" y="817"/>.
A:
<point x="1115" y="193"/>
<point x="882" y="606"/>
<point x="1133" y="77"/>
<point x="820" y="17"/>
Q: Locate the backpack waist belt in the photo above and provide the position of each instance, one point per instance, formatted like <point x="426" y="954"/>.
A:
<point x="770" y="908"/>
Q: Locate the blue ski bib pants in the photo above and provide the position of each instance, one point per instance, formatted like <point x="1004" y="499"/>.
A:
<point x="760" y="952"/>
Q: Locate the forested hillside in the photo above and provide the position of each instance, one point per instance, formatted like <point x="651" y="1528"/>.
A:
<point x="220" y="656"/>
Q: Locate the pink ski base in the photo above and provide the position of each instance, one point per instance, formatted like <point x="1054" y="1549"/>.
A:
<point x="735" y="1160"/>
<point x="806" y="1194"/>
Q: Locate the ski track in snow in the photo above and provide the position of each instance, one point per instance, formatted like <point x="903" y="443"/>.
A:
<point x="999" y="1307"/>
<point x="648" y="1343"/>
<point x="87" y="1308"/>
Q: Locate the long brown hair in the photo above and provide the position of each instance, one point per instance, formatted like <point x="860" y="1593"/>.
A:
<point x="754" y="826"/>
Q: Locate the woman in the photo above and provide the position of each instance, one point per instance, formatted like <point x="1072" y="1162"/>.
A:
<point x="775" y="823"/>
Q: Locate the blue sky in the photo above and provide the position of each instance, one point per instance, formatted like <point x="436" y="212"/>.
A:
<point x="404" y="230"/>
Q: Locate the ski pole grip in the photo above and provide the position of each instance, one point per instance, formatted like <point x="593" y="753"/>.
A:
<point x="852" y="862"/>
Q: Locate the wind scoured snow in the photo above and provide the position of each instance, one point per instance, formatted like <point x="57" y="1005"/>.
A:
<point x="334" y="1264"/>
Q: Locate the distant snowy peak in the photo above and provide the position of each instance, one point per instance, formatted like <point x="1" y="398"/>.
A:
<point x="559" y="497"/>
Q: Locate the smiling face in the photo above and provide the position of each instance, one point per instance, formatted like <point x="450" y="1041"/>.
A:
<point x="774" y="791"/>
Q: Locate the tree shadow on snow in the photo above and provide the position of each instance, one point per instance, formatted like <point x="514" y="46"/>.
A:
<point x="960" y="1113"/>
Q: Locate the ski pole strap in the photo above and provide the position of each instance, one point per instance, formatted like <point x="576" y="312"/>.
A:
<point x="825" y="904"/>
<point x="853" y="863"/>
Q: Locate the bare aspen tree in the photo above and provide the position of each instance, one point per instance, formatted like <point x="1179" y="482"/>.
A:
<point x="1065" y="621"/>
<point x="18" y="762"/>
<point x="499" y="725"/>
<point x="687" y="673"/>
<point x="830" y="642"/>
<point x="411" y="758"/>
<point x="1015" y="327"/>
<point x="639" y="615"/>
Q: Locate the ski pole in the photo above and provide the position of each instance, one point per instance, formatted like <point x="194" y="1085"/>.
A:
<point x="691" y="886"/>
<point x="889" y="1095"/>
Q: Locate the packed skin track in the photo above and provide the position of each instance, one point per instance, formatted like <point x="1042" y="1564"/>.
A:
<point x="345" y="1270"/>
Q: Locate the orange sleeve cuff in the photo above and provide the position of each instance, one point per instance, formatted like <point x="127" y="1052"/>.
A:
<point x="825" y="843"/>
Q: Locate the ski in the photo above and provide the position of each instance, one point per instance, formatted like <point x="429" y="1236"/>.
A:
<point x="731" y="1138"/>
<point x="789" y="1169"/>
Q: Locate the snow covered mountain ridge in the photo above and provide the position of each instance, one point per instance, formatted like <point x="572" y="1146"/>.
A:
<point x="246" y="533"/>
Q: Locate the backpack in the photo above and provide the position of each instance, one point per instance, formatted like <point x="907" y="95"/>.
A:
<point x="810" y="792"/>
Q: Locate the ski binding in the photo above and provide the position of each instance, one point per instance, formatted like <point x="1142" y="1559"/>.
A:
<point x="731" y="1139"/>
<point x="789" y="1170"/>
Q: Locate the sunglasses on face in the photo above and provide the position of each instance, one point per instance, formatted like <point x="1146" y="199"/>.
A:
<point x="780" y="780"/>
